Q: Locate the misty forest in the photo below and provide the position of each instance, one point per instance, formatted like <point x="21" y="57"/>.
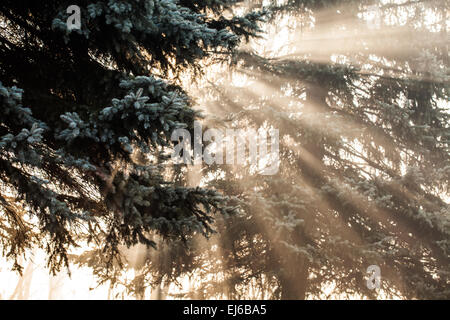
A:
<point x="93" y="205"/>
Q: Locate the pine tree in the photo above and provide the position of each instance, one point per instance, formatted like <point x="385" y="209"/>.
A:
<point x="364" y="170"/>
<point x="86" y="121"/>
<point x="364" y="150"/>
